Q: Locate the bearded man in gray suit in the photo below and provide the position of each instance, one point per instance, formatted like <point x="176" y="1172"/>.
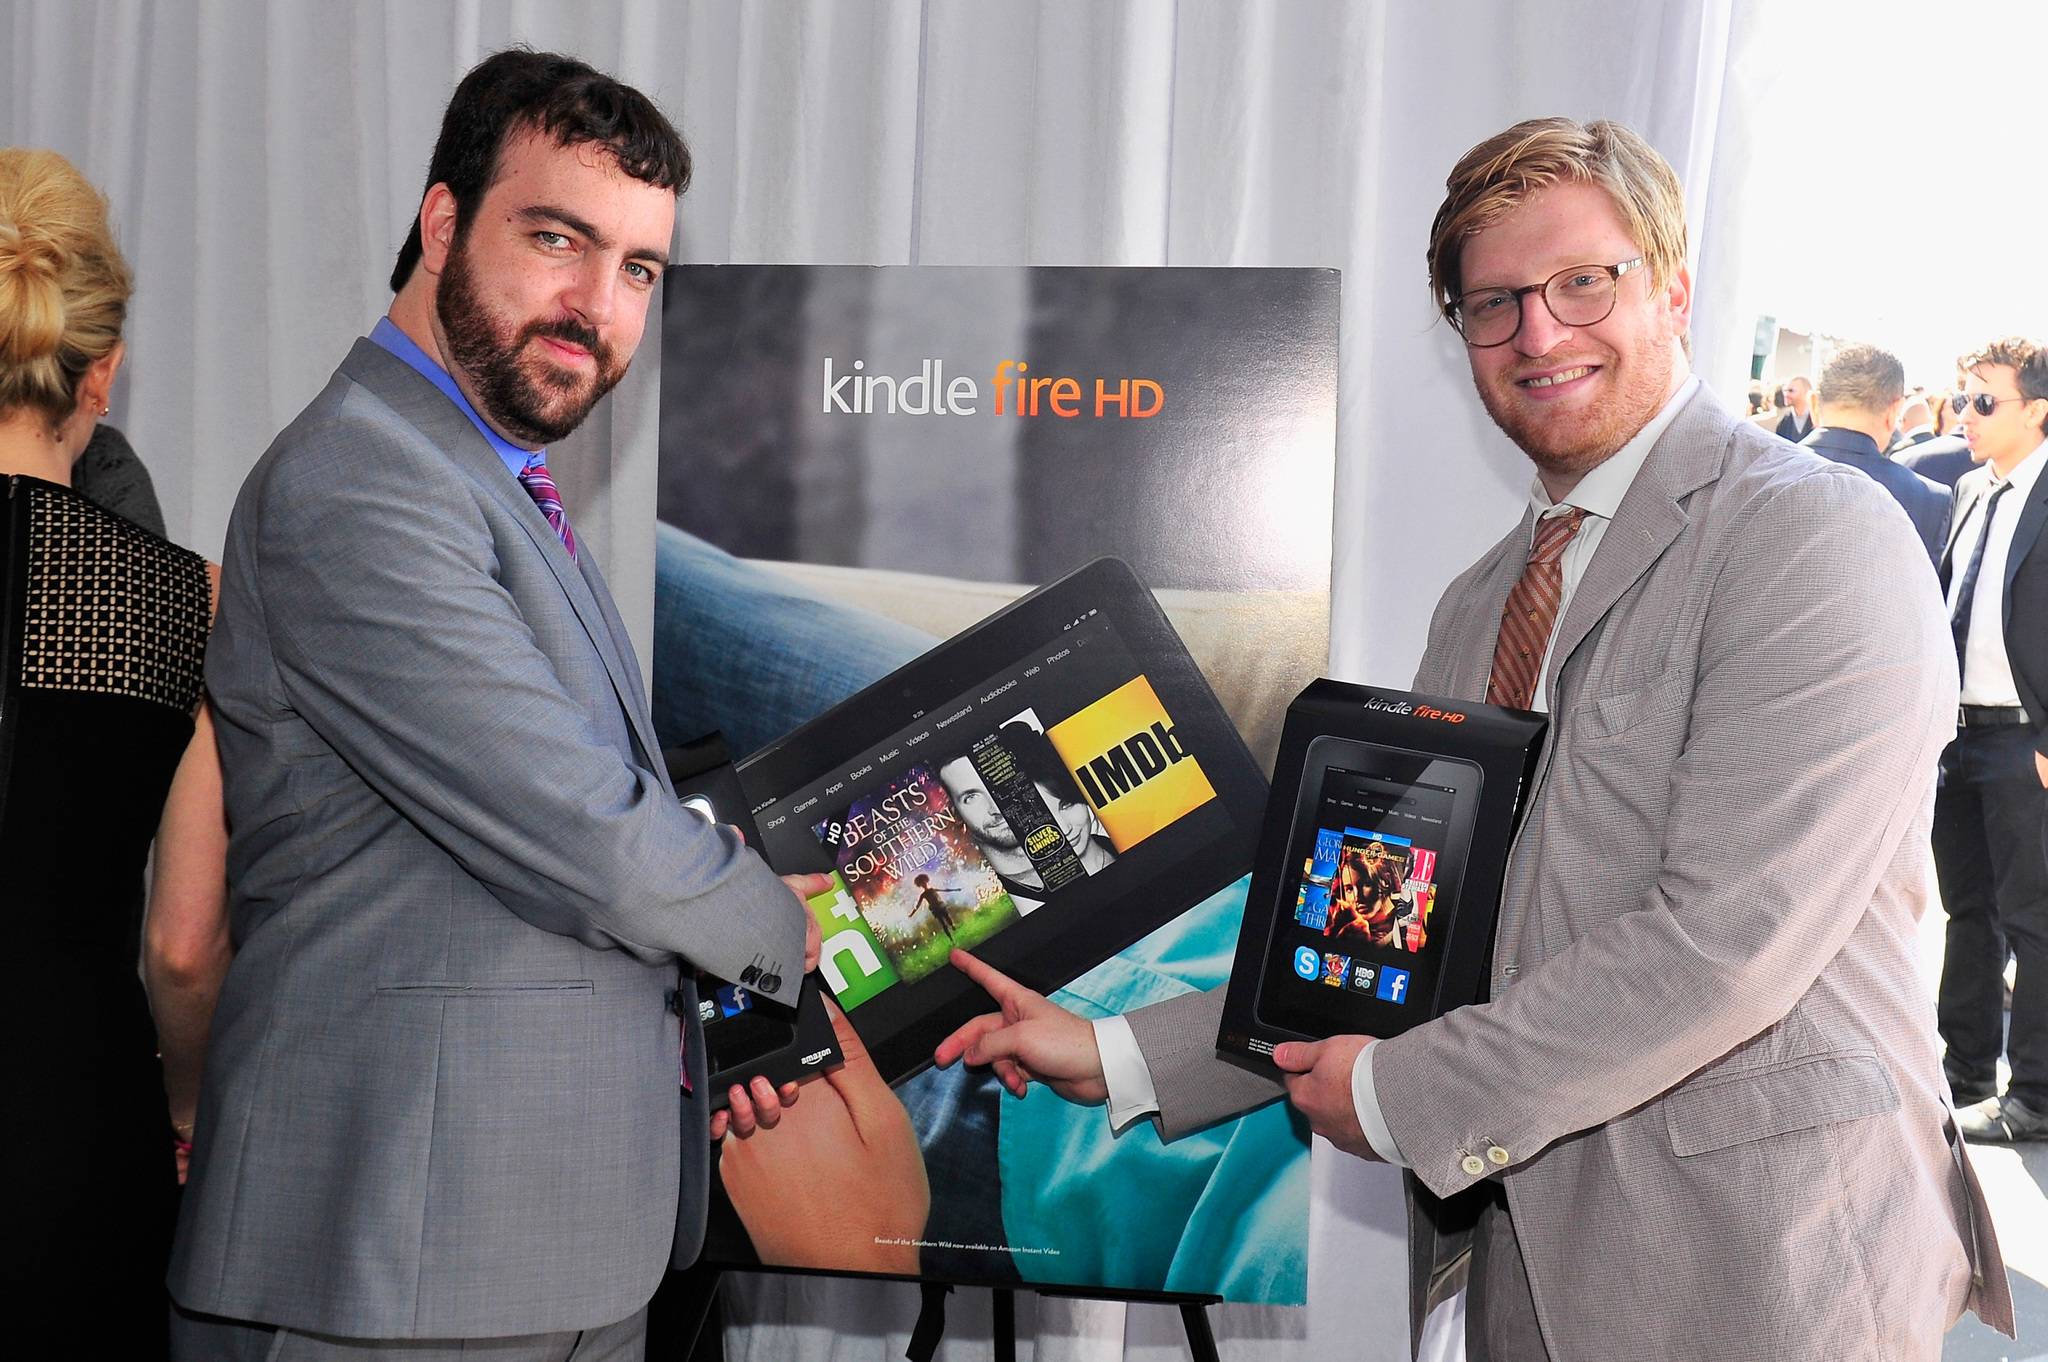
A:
<point x="1702" y="1114"/>
<point x="456" y="1088"/>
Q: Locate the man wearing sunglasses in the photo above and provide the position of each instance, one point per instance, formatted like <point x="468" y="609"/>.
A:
<point x="1991" y="816"/>
<point x="1701" y="1113"/>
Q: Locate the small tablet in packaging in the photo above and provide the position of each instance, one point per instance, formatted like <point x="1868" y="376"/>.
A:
<point x="1378" y="876"/>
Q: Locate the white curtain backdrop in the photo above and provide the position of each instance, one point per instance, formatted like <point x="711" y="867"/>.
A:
<point x="265" y="159"/>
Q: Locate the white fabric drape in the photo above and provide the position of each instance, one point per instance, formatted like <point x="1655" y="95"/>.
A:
<point x="264" y="161"/>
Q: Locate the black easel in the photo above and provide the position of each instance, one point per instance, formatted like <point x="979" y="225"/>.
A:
<point x="931" y="1318"/>
<point x="685" y="1323"/>
<point x="1194" y="1316"/>
<point x="684" y="1320"/>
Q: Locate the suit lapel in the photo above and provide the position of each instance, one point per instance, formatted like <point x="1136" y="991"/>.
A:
<point x="430" y="412"/>
<point x="1686" y="457"/>
<point x="1968" y="489"/>
<point x="625" y="671"/>
<point x="2024" y="536"/>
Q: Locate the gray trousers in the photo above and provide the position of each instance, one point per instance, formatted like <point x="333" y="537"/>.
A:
<point x="206" y="1338"/>
<point x="1500" y="1310"/>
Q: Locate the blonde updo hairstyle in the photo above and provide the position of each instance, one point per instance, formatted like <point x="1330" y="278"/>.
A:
<point x="63" y="285"/>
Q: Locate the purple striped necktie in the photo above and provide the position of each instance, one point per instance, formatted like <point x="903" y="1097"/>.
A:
<point x="534" y="478"/>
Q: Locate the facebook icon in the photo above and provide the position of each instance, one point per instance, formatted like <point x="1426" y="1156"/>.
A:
<point x="1394" y="985"/>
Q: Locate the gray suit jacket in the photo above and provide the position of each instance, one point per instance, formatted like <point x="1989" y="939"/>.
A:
<point x="1710" y="1058"/>
<point x="441" y="1094"/>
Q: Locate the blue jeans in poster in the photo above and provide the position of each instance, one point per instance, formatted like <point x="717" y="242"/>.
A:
<point x="1224" y="1211"/>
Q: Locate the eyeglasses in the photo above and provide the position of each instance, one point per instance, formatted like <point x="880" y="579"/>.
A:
<point x="1578" y="296"/>
<point x="1985" y="403"/>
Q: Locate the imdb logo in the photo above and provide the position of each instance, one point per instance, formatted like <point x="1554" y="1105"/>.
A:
<point x="1134" y="770"/>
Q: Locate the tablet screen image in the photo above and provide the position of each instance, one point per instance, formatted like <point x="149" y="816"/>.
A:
<point x="952" y="830"/>
<point x="1380" y="837"/>
<point x="1063" y="783"/>
<point x="914" y="872"/>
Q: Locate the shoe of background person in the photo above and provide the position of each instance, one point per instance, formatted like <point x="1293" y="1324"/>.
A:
<point x="2002" y="1120"/>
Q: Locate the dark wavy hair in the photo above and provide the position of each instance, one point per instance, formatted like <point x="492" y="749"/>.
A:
<point x="2027" y="358"/>
<point x="519" y="90"/>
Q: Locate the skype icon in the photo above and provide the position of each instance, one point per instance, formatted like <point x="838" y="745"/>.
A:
<point x="1307" y="963"/>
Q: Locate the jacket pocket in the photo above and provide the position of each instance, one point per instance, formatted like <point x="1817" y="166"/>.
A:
<point x="1616" y="712"/>
<point x="492" y="988"/>
<point x="1799" y="1094"/>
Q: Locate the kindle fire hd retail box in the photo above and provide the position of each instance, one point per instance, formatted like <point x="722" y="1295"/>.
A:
<point x="1378" y="876"/>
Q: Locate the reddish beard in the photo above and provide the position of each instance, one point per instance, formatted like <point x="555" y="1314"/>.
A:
<point x="1575" y="442"/>
<point x="523" y="393"/>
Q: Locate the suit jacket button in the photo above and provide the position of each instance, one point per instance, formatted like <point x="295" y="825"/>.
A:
<point x="1498" y="1155"/>
<point x="1473" y="1166"/>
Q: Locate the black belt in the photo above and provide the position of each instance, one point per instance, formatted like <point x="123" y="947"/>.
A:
<point x="1989" y="716"/>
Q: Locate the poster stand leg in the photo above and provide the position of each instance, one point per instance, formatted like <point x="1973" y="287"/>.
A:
<point x="684" y="1319"/>
<point x="1194" y="1318"/>
<point x="931" y="1322"/>
<point x="684" y="1323"/>
<point x="1005" y="1339"/>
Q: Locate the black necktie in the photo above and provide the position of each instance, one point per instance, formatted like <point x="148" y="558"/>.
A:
<point x="1966" y="595"/>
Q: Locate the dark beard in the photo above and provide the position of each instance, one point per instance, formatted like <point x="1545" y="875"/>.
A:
<point x="530" y="400"/>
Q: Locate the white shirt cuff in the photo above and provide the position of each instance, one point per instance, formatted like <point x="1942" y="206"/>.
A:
<point x="1370" y="1120"/>
<point x="1124" y="1073"/>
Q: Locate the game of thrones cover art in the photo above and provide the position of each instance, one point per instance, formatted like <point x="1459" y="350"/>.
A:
<point x="913" y="870"/>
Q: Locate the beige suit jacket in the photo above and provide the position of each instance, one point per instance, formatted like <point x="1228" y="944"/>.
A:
<point x="1710" y="1060"/>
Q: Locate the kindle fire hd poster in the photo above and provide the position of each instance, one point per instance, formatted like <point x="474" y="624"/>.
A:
<point x="860" y="462"/>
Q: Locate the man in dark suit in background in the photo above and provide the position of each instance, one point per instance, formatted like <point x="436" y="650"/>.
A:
<point x="1916" y="423"/>
<point x="1797" y="422"/>
<point x="1989" y="816"/>
<point x="1942" y="459"/>
<point x="1861" y="392"/>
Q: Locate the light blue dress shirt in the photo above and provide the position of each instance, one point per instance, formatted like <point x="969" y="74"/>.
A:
<point x="387" y="334"/>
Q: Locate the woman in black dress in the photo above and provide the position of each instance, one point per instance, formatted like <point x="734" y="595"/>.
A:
<point x="105" y="748"/>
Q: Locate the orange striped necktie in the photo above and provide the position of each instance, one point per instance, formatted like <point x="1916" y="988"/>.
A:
<point x="1531" y="613"/>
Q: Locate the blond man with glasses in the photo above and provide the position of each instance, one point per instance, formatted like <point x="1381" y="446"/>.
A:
<point x="1702" y="1114"/>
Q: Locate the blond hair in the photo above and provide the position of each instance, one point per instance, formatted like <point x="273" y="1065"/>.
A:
<point x="1502" y="172"/>
<point x="63" y="285"/>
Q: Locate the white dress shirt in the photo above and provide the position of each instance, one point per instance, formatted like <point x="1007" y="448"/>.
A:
<point x="1599" y="494"/>
<point x="1987" y="671"/>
